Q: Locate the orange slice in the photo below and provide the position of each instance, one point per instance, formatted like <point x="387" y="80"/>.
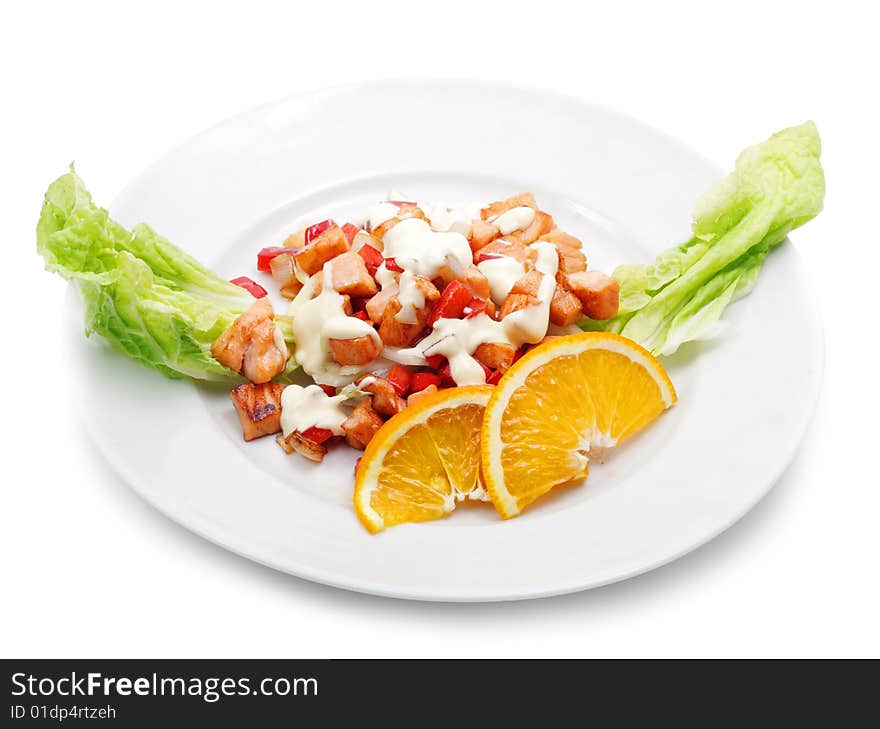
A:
<point x="570" y="394"/>
<point x="423" y="460"/>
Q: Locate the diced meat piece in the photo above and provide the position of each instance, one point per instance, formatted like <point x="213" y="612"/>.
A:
<point x="259" y="408"/>
<point x="376" y="306"/>
<point x="361" y="426"/>
<point x="528" y="284"/>
<point x="248" y="344"/>
<point x="357" y="351"/>
<point x="526" y="199"/>
<point x="429" y="292"/>
<point x="496" y="356"/>
<point x="506" y="247"/>
<point x="476" y="281"/>
<point x="395" y="333"/>
<point x="541" y="225"/>
<point x="571" y="260"/>
<point x="350" y="275"/>
<point x="565" y="307"/>
<point x="516" y="302"/>
<point x="296" y="240"/>
<point x="303" y="446"/>
<point x="386" y="401"/>
<point x="482" y="234"/>
<point x="598" y="292"/>
<point x="326" y="246"/>
<point x="560" y="239"/>
<point x="416" y="396"/>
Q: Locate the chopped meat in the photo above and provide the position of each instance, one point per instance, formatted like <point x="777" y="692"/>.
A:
<point x="376" y="306"/>
<point x="571" y="260"/>
<point x="361" y="426"/>
<point x="357" y="351"/>
<point x="329" y="244"/>
<point x="248" y="344"/>
<point x="541" y="225"/>
<point x="482" y="234"/>
<point x="305" y="447"/>
<point x="395" y="333"/>
<point x="560" y="239"/>
<point x="476" y="281"/>
<point x="506" y="247"/>
<point x="496" y="356"/>
<point x="430" y="293"/>
<point x="259" y="408"/>
<point x="516" y="302"/>
<point x="386" y="401"/>
<point x="598" y="292"/>
<point x="416" y="396"/>
<point x="528" y="284"/>
<point x="527" y="200"/>
<point x="296" y="240"/>
<point x="404" y="211"/>
<point x="350" y="275"/>
<point x="565" y="307"/>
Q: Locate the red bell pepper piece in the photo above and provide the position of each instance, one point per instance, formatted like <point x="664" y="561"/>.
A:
<point x="251" y="286"/>
<point x="313" y="231"/>
<point x="329" y="390"/>
<point x="362" y="315"/>
<point x="494" y="378"/>
<point x="451" y="303"/>
<point x="421" y="380"/>
<point x="476" y="306"/>
<point x="488" y="257"/>
<point x="446" y="376"/>
<point x="350" y="232"/>
<point x="400" y="378"/>
<point x="402" y="202"/>
<point x="317" y="435"/>
<point x="267" y="254"/>
<point x="392" y="265"/>
<point x="372" y="258"/>
<point x="435" y="361"/>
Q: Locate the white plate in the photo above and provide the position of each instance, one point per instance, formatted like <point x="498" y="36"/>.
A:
<point x="627" y="190"/>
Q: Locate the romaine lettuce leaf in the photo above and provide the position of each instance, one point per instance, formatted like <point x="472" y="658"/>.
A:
<point x="144" y="295"/>
<point x="776" y="186"/>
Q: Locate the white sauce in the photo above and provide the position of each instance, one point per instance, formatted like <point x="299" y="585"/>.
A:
<point x="457" y="339"/>
<point x="380" y="213"/>
<point x="318" y="320"/>
<point x="445" y="218"/>
<point x="514" y="219"/>
<point x="307" y="407"/>
<point x="502" y="272"/>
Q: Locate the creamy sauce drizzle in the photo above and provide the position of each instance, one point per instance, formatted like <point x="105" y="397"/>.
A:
<point x="318" y="320"/>
<point x="502" y="272"/>
<point x="514" y="219"/>
<point x="306" y="407"/>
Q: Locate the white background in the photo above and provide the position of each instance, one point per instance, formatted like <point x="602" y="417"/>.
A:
<point x="90" y="570"/>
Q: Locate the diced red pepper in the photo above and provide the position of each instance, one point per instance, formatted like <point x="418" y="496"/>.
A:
<point x="350" y="232"/>
<point x="494" y="378"/>
<point x="267" y="254"/>
<point x="487" y="257"/>
<point x="476" y="306"/>
<point x="400" y="378"/>
<point x="392" y="265"/>
<point x="372" y="258"/>
<point x="313" y="231"/>
<point x="317" y="435"/>
<point x="251" y="286"/>
<point x="402" y="202"/>
<point x="362" y="315"/>
<point x="451" y="303"/>
<point x="435" y="361"/>
<point x="329" y="390"/>
<point x="446" y="376"/>
<point x="421" y="380"/>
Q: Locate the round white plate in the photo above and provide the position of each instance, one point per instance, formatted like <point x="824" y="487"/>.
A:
<point x="622" y="187"/>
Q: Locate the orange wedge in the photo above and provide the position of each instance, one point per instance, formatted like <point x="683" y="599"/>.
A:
<point x="570" y="394"/>
<point x="423" y="460"/>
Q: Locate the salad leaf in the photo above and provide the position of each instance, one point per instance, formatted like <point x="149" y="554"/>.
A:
<point x="144" y="295"/>
<point x="776" y="186"/>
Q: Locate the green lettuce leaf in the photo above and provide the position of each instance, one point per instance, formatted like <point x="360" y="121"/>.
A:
<point x="144" y="295"/>
<point x="776" y="186"/>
